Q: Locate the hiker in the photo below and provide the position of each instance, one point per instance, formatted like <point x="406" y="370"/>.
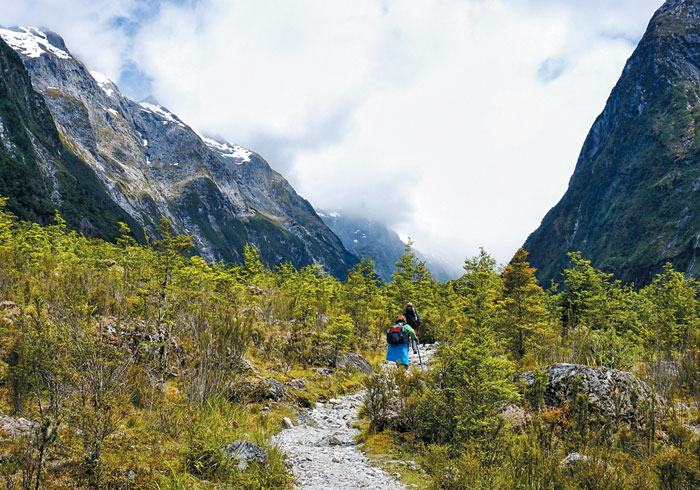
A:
<point x="398" y="336"/>
<point x="413" y="319"/>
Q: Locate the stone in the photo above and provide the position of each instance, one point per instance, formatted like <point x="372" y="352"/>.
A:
<point x="612" y="394"/>
<point x="323" y="371"/>
<point x="258" y="390"/>
<point x="354" y="362"/>
<point x="16" y="426"/>
<point x="516" y="417"/>
<point x="573" y="459"/>
<point x="330" y="440"/>
<point x="296" y="384"/>
<point x="245" y="452"/>
<point x="287" y="423"/>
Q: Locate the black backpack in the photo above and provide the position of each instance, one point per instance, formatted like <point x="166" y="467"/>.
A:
<point x="412" y="317"/>
<point x="397" y="335"/>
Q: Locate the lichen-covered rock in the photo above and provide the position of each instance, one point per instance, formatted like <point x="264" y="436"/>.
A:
<point x="612" y="394"/>
<point x="354" y="362"/>
<point x="257" y="390"/>
<point x="245" y="452"/>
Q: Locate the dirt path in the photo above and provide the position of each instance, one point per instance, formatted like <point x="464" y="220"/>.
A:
<point x="322" y="452"/>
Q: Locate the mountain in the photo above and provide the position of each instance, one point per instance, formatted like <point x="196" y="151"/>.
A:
<point x="373" y="239"/>
<point x="633" y="201"/>
<point x="152" y="164"/>
<point x="38" y="174"/>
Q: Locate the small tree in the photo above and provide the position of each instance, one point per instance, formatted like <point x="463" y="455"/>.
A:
<point x="522" y="305"/>
<point x="470" y="384"/>
<point x="339" y="334"/>
<point x="478" y="290"/>
<point x="411" y="281"/>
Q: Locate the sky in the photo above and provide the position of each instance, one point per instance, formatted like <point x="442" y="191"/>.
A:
<point x="456" y="122"/>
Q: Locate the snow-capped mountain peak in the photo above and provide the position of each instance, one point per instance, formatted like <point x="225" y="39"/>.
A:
<point x="33" y="42"/>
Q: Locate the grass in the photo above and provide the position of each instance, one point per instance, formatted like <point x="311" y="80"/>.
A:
<point x="391" y="451"/>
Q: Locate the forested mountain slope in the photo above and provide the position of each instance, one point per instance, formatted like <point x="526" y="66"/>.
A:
<point x="632" y="202"/>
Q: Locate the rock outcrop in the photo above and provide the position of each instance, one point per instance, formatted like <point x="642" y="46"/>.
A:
<point x="354" y="362"/>
<point x="613" y="395"/>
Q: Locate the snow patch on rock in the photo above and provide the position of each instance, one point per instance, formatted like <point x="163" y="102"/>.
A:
<point x="227" y="150"/>
<point x="31" y="42"/>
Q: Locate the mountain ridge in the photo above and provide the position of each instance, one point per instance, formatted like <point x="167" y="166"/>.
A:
<point x="372" y="238"/>
<point x="152" y="164"/>
<point x="631" y="200"/>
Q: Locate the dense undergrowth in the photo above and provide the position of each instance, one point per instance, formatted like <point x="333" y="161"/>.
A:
<point x="453" y="419"/>
<point x="138" y="364"/>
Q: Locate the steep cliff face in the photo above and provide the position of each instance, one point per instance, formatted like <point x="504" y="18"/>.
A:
<point x="633" y="202"/>
<point x="152" y="164"/>
<point x="37" y="173"/>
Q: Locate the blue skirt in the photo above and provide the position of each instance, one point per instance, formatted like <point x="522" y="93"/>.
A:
<point x="397" y="353"/>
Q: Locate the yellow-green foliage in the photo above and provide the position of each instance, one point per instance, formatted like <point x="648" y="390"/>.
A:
<point x="134" y="362"/>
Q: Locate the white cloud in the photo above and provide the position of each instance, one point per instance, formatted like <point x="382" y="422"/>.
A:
<point x="457" y="121"/>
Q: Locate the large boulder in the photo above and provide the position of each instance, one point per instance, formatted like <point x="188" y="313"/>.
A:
<point x="354" y="362"/>
<point x="612" y="394"/>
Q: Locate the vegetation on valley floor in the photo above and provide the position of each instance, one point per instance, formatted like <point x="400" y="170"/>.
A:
<point x="139" y="364"/>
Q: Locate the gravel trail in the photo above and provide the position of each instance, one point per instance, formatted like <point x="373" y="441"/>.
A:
<point x="321" y="450"/>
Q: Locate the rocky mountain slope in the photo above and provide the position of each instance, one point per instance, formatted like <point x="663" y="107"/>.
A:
<point x="38" y="174"/>
<point x="151" y="164"/>
<point x="373" y="239"/>
<point x="633" y="201"/>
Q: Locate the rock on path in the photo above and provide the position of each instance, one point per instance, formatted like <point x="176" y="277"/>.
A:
<point x="322" y="452"/>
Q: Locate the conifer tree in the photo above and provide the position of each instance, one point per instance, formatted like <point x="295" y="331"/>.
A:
<point x="522" y="303"/>
<point x="479" y="289"/>
<point x="411" y="280"/>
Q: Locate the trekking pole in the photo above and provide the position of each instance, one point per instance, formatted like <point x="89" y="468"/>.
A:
<point x="419" y="359"/>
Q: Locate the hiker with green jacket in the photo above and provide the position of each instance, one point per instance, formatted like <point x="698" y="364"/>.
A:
<point x="398" y="337"/>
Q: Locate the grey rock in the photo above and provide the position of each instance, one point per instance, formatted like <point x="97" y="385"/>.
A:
<point x="572" y="459"/>
<point x="323" y="371"/>
<point x="516" y="417"/>
<point x="16" y="426"/>
<point x="612" y="394"/>
<point x="296" y="384"/>
<point x="245" y="452"/>
<point x="354" y="362"/>
<point x="330" y="440"/>
<point x="287" y="423"/>
<point x="257" y="390"/>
